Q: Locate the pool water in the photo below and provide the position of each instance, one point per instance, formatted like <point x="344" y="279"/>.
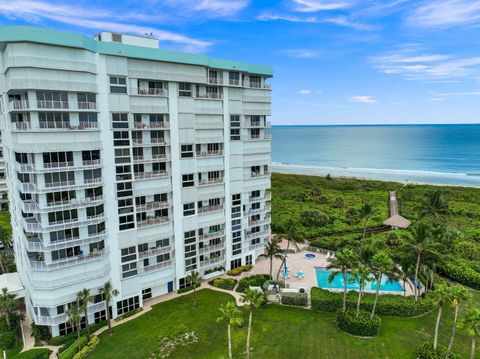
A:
<point x="337" y="283"/>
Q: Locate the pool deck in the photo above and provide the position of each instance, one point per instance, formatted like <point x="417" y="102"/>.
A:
<point x="297" y="262"/>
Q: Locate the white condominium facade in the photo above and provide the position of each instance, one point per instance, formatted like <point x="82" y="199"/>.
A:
<point x="130" y="164"/>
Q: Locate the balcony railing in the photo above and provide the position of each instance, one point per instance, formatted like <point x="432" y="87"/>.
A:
<point x="234" y="82"/>
<point x="210" y="181"/>
<point x="52" y="104"/>
<point x="86" y="105"/>
<point x="19" y="105"/>
<point x="260" y="222"/>
<point x="152" y="174"/>
<point x="264" y="209"/>
<point x="156" y="124"/>
<point x="55" y="283"/>
<point x="215" y="80"/>
<point x="63" y="126"/>
<point x="260" y="174"/>
<point x="154" y="251"/>
<point x="157" y="266"/>
<point x="211" y="235"/>
<point x="154" y="141"/>
<point x="149" y="91"/>
<point x="32" y="225"/>
<point x="212" y="248"/>
<point x="152" y="206"/>
<point x="62" y="318"/>
<point x="211" y="261"/>
<point x="33" y="207"/>
<point x="251" y="235"/>
<point x="209" y="95"/>
<point x="212" y="153"/>
<point x="78" y="259"/>
<point x="212" y="208"/>
<point x="35" y="244"/>
<point x="152" y="221"/>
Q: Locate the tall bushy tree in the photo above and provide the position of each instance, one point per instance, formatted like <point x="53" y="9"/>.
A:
<point x="108" y="293"/>
<point x="344" y="261"/>
<point x="74" y="317"/>
<point x="253" y="299"/>
<point x="231" y="315"/>
<point x="8" y="304"/>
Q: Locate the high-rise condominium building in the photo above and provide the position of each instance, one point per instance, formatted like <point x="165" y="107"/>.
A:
<point x="130" y="164"/>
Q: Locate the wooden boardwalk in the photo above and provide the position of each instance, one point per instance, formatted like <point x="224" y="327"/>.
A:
<point x="395" y="220"/>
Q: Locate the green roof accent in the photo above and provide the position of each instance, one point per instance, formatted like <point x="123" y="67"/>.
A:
<point x="69" y="39"/>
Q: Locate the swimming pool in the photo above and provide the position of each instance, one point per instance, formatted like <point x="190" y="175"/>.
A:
<point x="337" y="283"/>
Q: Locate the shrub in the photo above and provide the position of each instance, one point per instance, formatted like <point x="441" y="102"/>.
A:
<point x="296" y="299"/>
<point x="361" y="325"/>
<point x="388" y="304"/>
<point x="87" y="349"/>
<point x="8" y="336"/>
<point x="253" y="281"/>
<point x="239" y="270"/>
<point x="339" y="202"/>
<point x="463" y="271"/>
<point x="188" y="288"/>
<point x="223" y="283"/>
<point x="67" y="340"/>
<point x="128" y="314"/>
<point x="69" y="352"/>
<point x="33" y="354"/>
<point x="7" y="339"/>
<point x="426" y="351"/>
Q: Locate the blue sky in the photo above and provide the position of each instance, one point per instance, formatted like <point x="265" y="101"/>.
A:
<point x="335" y="61"/>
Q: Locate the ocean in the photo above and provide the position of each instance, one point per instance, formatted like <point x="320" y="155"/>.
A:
<point x="435" y="154"/>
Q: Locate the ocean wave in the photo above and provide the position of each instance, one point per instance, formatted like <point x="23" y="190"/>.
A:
<point x="404" y="176"/>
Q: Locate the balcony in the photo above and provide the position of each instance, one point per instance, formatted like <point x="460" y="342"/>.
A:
<point x="259" y="222"/>
<point x="267" y="197"/>
<point x="152" y="222"/>
<point x="35" y="244"/>
<point x="154" y="252"/>
<point x="79" y="259"/>
<point x="151" y="125"/>
<point x="211" y="261"/>
<point x="257" y="137"/>
<point x="139" y="142"/>
<point x="211" y="235"/>
<point x="265" y="209"/>
<point x="157" y="266"/>
<point x="212" y="153"/>
<point x="209" y="95"/>
<point x="233" y="82"/>
<point x="62" y="318"/>
<point x="152" y="174"/>
<point x="149" y="206"/>
<point x="257" y="124"/>
<point x="260" y="174"/>
<point x="251" y="235"/>
<point x="86" y="105"/>
<point x="212" y="248"/>
<point x="161" y="157"/>
<point x="215" y="80"/>
<point x="53" y="126"/>
<point x="70" y="280"/>
<point x="52" y="104"/>
<point x="58" y="186"/>
<point x="32" y="225"/>
<point x="149" y="92"/>
<point x="212" y="208"/>
<point x="35" y="207"/>
<point x="210" y="182"/>
<point x="17" y="105"/>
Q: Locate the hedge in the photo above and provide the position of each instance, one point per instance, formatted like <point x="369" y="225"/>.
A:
<point x="40" y="353"/>
<point x="296" y="299"/>
<point x="223" y="283"/>
<point x="129" y="314"/>
<point x="256" y="280"/>
<point x="68" y="339"/>
<point x="426" y="351"/>
<point x="69" y="352"/>
<point x="361" y="325"/>
<point x="188" y="288"/>
<point x="239" y="270"/>
<point x="463" y="271"/>
<point x="388" y="304"/>
<point x="87" y="349"/>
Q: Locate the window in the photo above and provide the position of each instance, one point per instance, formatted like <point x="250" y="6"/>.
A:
<point x="189" y="209"/>
<point x="186" y="151"/>
<point x="116" y="37"/>
<point x="65" y="235"/>
<point x="236" y="199"/>
<point x="234" y="78"/>
<point x="146" y="293"/>
<point x="184" y="89"/>
<point x="188" y="180"/>
<point x="121" y="138"/>
<point x="163" y="257"/>
<point x="66" y="253"/>
<point x="126" y="305"/>
<point x="248" y="260"/>
<point x="128" y="254"/>
<point x="129" y="270"/>
<point x="255" y="81"/>
<point x="142" y="247"/>
<point x="118" y="84"/>
<point x="100" y="316"/>
<point x="189" y="237"/>
<point x="235" y="127"/>
<point x="62" y="216"/>
<point x="190" y="264"/>
<point x="119" y="120"/>
<point x="235" y="263"/>
<point x="162" y="243"/>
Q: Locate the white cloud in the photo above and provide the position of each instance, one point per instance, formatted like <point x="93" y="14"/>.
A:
<point x="445" y="13"/>
<point x="362" y="99"/>
<point x="305" y="92"/>
<point x="412" y="64"/>
<point x="320" y="5"/>
<point x="209" y="8"/>
<point x="301" y="53"/>
<point x="34" y="11"/>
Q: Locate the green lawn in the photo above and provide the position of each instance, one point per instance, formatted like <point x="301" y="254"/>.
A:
<point x="278" y="332"/>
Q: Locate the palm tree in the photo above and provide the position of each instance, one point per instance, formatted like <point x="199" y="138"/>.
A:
<point x="230" y="314"/>
<point x="471" y="322"/>
<point x="441" y="295"/>
<point x="272" y="250"/>
<point x="84" y="298"/>
<point x="7" y="304"/>
<point x="344" y="261"/>
<point x="434" y="205"/>
<point x="253" y="299"/>
<point x="74" y="317"/>
<point x="193" y="278"/>
<point x="361" y="273"/>
<point x="108" y="294"/>
<point x="288" y="233"/>
<point x="420" y="242"/>
<point x="381" y="264"/>
<point x="459" y="294"/>
<point x="365" y="213"/>
<point x="6" y="240"/>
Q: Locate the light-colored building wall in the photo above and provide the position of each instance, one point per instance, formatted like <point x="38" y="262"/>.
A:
<point x="129" y="164"/>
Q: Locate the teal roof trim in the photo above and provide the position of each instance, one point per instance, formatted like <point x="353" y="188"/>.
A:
<point x="68" y="39"/>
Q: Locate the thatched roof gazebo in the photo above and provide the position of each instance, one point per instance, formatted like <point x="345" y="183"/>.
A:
<point x="397" y="221"/>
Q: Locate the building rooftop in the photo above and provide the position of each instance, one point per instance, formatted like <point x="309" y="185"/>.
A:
<point x="75" y="40"/>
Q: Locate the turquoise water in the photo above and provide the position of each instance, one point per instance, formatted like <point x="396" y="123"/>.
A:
<point x="439" y="154"/>
<point x="338" y="283"/>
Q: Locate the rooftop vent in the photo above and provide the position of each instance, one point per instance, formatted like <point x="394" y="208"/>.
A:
<point x="145" y="41"/>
